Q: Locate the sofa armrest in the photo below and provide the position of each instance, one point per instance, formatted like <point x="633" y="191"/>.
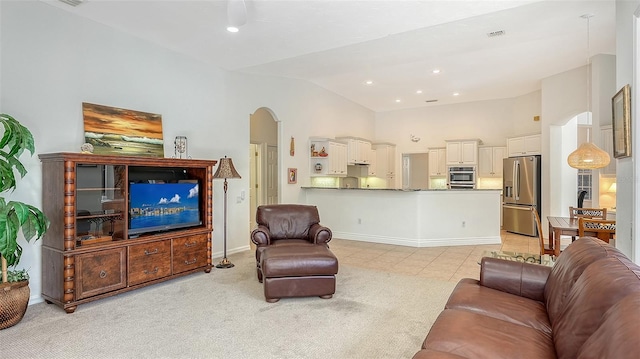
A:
<point x="522" y="279"/>
<point x="319" y="234"/>
<point x="260" y="236"/>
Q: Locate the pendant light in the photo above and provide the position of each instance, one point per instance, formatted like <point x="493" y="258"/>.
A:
<point x="236" y="15"/>
<point x="588" y="156"/>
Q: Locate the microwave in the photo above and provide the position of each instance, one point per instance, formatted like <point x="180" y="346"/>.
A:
<point x="462" y="177"/>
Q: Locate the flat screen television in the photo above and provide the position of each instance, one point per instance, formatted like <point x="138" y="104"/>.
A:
<point x="155" y="207"/>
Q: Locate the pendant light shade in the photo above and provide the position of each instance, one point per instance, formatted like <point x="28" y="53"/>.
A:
<point x="588" y="156"/>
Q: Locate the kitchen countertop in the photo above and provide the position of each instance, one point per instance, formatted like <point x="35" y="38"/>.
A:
<point x="405" y="190"/>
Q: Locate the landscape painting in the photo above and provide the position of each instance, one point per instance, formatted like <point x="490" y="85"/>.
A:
<point x="113" y="130"/>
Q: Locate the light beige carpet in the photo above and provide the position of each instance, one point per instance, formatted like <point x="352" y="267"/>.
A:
<point x="223" y="314"/>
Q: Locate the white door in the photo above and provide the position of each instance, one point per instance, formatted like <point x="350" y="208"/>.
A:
<point x="271" y="175"/>
<point x="253" y="183"/>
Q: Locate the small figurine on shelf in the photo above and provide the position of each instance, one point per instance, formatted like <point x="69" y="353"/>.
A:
<point x="86" y="148"/>
<point x="323" y="153"/>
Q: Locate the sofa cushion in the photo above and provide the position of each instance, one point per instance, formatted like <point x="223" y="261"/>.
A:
<point x="602" y="284"/>
<point x="617" y="334"/>
<point x="568" y="268"/>
<point x="434" y="354"/>
<point x="470" y="295"/>
<point x="473" y="335"/>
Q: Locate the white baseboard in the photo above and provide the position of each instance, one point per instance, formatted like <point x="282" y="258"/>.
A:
<point x="418" y="242"/>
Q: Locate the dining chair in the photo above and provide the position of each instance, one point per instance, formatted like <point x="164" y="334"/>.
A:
<point x="600" y="228"/>
<point x="593" y="213"/>
<point x="544" y="248"/>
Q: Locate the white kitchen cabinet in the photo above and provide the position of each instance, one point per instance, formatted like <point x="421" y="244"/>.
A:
<point x="524" y="145"/>
<point x="372" y="168"/>
<point x="462" y="152"/>
<point x="358" y="150"/>
<point x="438" y="162"/>
<point x="606" y="141"/>
<point x="490" y="161"/>
<point x="327" y="158"/>
<point x="386" y="162"/>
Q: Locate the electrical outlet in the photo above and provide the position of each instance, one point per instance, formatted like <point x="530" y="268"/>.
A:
<point x="464" y="224"/>
<point x="359" y="220"/>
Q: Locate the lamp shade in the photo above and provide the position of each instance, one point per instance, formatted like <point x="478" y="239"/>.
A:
<point x="612" y="188"/>
<point x="588" y="156"/>
<point x="226" y="169"/>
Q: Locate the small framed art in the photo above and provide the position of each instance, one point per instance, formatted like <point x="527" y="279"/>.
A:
<point x="293" y="175"/>
<point x="621" y="109"/>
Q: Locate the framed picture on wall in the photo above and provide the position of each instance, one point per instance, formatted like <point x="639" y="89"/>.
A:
<point x="293" y="175"/>
<point x="621" y="107"/>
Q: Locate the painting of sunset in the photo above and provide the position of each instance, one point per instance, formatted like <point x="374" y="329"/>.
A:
<point x="114" y="130"/>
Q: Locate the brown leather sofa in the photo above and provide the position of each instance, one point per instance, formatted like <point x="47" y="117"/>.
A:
<point x="586" y="306"/>
<point x="292" y="253"/>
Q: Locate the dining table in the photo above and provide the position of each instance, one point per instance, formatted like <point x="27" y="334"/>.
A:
<point x="559" y="226"/>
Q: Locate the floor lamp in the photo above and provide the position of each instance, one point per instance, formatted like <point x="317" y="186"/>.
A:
<point x="225" y="170"/>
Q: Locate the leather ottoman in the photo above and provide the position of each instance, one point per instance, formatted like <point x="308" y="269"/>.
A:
<point x="298" y="271"/>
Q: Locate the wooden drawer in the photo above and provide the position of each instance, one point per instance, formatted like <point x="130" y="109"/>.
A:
<point x="149" y="261"/>
<point x="189" y="253"/>
<point x="100" y="272"/>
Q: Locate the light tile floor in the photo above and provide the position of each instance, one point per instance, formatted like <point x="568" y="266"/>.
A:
<point x="444" y="263"/>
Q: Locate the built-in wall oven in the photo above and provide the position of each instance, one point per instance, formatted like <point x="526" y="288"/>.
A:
<point x="462" y="177"/>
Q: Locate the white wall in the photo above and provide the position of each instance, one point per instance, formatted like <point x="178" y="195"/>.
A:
<point x="627" y="171"/>
<point x="52" y="61"/>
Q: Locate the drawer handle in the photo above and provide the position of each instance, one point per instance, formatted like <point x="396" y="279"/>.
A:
<point x="103" y="274"/>
<point x="191" y="262"/>
<point x="194" y="243"/>
<point x="147" y="253"/>
<point x="152" y="272"/>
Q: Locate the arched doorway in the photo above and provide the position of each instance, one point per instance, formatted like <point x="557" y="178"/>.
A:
<point x="263" y="160"/>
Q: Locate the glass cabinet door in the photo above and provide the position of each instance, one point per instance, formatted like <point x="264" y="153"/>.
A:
<point x="100" y="203"/>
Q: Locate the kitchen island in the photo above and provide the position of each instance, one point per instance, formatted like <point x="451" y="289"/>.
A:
<point x="416" y="218"/>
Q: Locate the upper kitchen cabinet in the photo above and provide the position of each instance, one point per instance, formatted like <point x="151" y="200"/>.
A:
<point x="327" y="158"/>
<point x="524" y="145"/>
<point x="386" y="162"/>
<point x="490" y="161"/>
<point x="372" y="169"/>
<point x="438" y="162"/>
<point x="606" y="141"/>
<point x="462" y="152"/>
<point x="358" y="150"/>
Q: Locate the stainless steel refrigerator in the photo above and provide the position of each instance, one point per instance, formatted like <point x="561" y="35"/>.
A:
<point x="415" y="170"/>
<point x="521" y="190"/>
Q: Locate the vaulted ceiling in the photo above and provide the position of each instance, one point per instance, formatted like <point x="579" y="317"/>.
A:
<point x="396" y="44"/>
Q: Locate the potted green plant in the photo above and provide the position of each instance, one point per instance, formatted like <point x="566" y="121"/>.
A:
<point x="15" y="217"/>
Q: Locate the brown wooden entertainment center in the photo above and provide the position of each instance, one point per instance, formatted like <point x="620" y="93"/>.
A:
<point x="88" y="254"/>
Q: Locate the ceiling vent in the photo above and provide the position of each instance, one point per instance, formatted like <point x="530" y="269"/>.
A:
<point x="72" y="2"/>
<point x="492" y="33"/>
<point x="429" y="101"/>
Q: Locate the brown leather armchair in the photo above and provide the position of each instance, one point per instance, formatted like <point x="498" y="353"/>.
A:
<point x="287" y="225"/>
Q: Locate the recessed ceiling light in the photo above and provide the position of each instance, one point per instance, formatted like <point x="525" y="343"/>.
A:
<point x="232" y="29"/>
<point x="436" y="71"/>
<point x="369" y="82"/>
<point x="456" y="94"/>
<point x="418" y="92"/>
<point x="398" y="100"/>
